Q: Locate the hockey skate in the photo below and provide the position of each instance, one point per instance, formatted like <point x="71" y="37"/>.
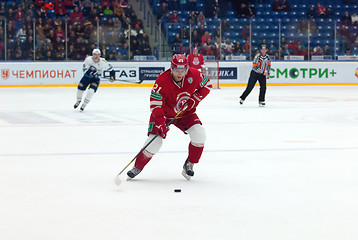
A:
<point x="83" y="107"/>
<point x="262" y="104"/>
<point x="188" y="169"/>
<point x="241" y="101"/>
<point x="132" y="173"/>
<point x="77" y="104"/>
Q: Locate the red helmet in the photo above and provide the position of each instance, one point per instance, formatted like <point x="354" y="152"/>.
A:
<point x="179" y="61"/>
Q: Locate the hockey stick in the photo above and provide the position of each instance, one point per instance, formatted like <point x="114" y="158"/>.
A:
<point x="123" y="80"/>
<point x="117" y="180"/>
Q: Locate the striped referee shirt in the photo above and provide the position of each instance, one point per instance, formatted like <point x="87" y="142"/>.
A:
<point x="261" y="64"/>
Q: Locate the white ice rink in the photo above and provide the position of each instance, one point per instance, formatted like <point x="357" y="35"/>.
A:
<point x="288" y="171"/>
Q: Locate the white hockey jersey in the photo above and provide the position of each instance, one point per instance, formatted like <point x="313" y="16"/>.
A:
<point x="100" y="66"/>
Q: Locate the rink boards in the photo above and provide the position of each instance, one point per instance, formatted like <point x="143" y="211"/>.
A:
<point x="138" y="73"/>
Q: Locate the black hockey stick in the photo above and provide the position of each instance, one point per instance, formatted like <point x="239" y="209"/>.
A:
<point x="117" y="180"/>
<point x="123" y="80"/>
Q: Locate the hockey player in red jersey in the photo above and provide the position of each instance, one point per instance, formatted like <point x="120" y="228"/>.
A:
<point x="177" y="88"/>
<point x="196" y="60"/>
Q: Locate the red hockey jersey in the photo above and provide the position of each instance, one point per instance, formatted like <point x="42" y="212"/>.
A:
<point x="195" y="61"/>
<point x="170" y="96"/>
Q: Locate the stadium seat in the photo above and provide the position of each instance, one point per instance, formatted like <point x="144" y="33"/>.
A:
<point x="171" y="36"/>
<point x="235" y="35"/>
<point x="209" y="20"/>
<point x="230" y="14"/>
<point x="227" y="35"/>
<point x="212" y="27"/>
<point x="186" y="42"/>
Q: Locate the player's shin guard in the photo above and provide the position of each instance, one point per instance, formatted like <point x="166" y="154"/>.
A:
<point x="88" y="98"/>
<point x="143" y="159"/>
<point x="197" y="140"/>
<point x="140" y="163"/>
<point x="79" y="98"/>
<point x="79" y="94"/>
<point x="195" y="151"/>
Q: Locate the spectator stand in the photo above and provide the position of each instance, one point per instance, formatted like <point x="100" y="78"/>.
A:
<point x="69" y="32"/>
<point x="322" y="31"/>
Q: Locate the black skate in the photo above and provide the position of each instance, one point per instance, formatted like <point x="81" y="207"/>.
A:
<point x="133" y="172"/>
<point x="241" y="101"/>
<point x="83" y="107"/>
<point x="262" y="104"/>
<point x="188" y="169"/>
<point x="77" y="104"/>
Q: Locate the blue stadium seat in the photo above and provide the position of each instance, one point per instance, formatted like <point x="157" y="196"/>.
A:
<point x="235" y="35"/>
<point x="216" y="20"/>
<point x="273" y="27"/>
<point x="227" y="34"/>
<point x="256" y="27"/>
<point x="230" y="14"/>
<point x="243" y="20"/>
<point x="186" y="42"/>
<point x="238" y="27"/>
<point x="200" y="7"/>
<point x="262" y="35"/>
<point x="171" y="36"/>
<point x="156" y="8"/>
<point x="260" y="20"/>
<point x="233" y="20"/>
<point x="326" y="42"/>
<point x="212" y="27"/>
<point x="273" y="35"/>
<point x="209" y="20"/>
<point x="51" y="13"/>
<point x="182" y="20"/>
<point x="177" y="26"/>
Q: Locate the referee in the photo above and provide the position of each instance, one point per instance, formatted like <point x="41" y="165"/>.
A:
<point x="260" y="71"/>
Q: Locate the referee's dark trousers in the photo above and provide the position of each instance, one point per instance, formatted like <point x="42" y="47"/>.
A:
<point x="252" y="80"/>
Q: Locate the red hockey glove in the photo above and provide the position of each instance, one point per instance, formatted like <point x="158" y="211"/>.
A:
<point x="192" y="102"/>
<point x="159" y="121"/>
<point x="160" y="124"/>
<point x="189" y="104"/>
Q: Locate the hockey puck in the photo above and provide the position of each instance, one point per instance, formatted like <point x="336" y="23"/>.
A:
<point x="177" y="190"/>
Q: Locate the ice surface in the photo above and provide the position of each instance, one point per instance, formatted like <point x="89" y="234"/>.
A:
<point x="284" y="172"/>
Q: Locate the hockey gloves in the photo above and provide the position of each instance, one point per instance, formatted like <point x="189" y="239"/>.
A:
<point x="113" y="76"/>
<point x="159" y="122"/>
<point x="192" y="102"/>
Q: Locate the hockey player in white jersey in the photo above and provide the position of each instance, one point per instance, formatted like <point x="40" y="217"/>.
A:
<point x="93" y="67"/>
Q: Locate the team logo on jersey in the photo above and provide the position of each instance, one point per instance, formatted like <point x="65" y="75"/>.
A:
<point x="5" y="73"/>
<point x="181" y="100"/>
<point x="190" y="80"/>
<point x="196" y="61"/>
